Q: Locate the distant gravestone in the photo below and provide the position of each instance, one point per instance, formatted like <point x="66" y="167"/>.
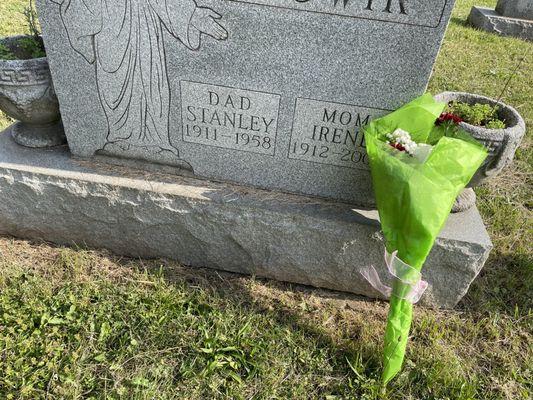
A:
<point x="511" y="18"/>
<point x="269" y="93"/>
<point x="516" y="8"/>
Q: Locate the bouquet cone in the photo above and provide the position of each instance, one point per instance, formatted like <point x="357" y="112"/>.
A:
<point x="414" y="198"/>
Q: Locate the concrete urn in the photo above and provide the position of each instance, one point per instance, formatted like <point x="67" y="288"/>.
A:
<point x="27" y="95"/>
<point x="501" y="143"/>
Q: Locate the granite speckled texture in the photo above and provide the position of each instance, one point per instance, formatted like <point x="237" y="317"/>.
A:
<point x="268" y="93"/>
<point x="47" y="194"/>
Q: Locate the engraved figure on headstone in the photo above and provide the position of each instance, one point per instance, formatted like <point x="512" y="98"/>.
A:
<point x="124" y="39"/>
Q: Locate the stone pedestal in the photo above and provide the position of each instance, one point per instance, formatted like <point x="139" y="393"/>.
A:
<point x="46" y="194"/>
<point x="511" y="18"/>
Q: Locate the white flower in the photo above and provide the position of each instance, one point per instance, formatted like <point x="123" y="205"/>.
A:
<point x="402" y="138"/>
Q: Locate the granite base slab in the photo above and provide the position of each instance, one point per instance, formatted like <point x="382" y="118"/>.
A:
<point x="47" y="194"/>
<point x="491" y="21"/>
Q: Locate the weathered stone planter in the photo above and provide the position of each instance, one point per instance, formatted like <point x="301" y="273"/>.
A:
<point x="502" y="143"/>
<point x="27" y="95"/>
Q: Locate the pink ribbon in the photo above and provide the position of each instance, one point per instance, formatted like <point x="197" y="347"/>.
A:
<point x="408" y="275"/>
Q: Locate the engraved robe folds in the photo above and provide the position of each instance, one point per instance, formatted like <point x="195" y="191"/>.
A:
<point x="124" y="39"/>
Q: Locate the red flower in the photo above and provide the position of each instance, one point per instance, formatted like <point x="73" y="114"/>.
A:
<point x="397" y="146"/>
<point x="449" y="117"/>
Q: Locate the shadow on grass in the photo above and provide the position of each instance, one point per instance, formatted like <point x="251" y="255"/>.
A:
<point x="355" y="360"/>
<point x="261" y="295"/>
<point x="319" y="357"/>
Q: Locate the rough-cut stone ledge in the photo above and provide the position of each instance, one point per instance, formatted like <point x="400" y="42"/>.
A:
<point x="45" y="194"/>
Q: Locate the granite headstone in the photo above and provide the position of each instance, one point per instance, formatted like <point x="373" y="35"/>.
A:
<point x="269" y="93"/>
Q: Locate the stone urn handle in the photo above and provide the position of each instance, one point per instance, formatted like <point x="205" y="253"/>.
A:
<point x="504" y="157"/>
<point x="502" y="143"/>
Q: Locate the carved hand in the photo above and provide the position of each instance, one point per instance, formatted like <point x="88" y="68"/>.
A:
<point x="204" y="19"/>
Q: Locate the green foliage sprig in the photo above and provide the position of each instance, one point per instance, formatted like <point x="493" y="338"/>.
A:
<point x="6" y="53"/>
<point x="32" y="46"/>
<point x="484" y="115"/>
<point x="27" y="47"/>
<point x="32" y="21"/>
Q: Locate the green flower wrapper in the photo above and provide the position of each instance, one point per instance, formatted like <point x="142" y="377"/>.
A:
<point x="414" y="200"/>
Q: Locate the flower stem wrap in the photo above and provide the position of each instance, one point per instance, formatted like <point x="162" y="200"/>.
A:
<point x="414" y="199"/>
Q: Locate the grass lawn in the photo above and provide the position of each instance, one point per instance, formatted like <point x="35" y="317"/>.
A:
<point x="85" y="324"/>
